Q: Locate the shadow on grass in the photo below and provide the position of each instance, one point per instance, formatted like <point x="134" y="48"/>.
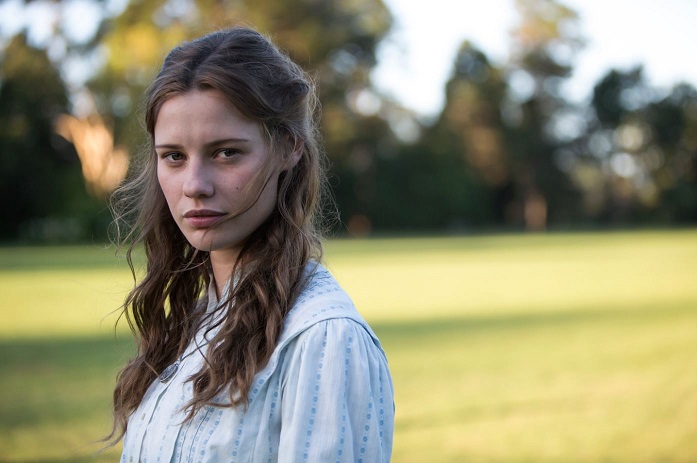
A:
<point x="71" y="459"/>
<point x="58" y="380"/>
<point x="37" y="258"/>
<point x="413" y="330"/>
<point x="55" y="397"/>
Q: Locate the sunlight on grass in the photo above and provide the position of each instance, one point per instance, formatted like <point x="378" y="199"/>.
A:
<point x="452" y="277"/>
<point x="61" y="291"/>
<point x="49" y="303"/>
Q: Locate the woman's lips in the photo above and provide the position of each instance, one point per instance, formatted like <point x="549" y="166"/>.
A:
<point x="203" y="218"/>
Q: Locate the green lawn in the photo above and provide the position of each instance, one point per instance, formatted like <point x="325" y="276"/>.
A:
<point x="511" y="348"/>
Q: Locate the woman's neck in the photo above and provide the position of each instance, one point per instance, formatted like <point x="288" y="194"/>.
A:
<point x="222" y="264"/>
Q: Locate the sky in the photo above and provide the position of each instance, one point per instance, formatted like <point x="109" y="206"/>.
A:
<point x="416" y="59"/>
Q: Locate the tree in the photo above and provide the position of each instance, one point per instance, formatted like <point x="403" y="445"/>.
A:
<point x="465" y="146"/>
<point x="546" y="40"/>
<point x="641" y="149"/>
<point x="40" y="182"/>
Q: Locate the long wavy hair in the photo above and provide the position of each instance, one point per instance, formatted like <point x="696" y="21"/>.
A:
<point x="268" y="87"/>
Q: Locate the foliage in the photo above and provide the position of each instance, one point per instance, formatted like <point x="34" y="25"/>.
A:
<point x="548" y="39"/>
<point x="638" y="159"/>
<point x="40" y="180"/>
<point x="468" y="138"/>
<point x="508" y="151"/>
<point x="335" y="41"/>
<point x="499" y="121"/>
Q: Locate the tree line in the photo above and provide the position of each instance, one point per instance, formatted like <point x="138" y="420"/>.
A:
<point x="507" y="151"/>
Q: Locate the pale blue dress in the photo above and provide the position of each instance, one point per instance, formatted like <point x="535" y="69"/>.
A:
<point x="326" y="395"/>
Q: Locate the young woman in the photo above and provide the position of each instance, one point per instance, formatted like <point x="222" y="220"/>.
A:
<point x="248" y="349"/>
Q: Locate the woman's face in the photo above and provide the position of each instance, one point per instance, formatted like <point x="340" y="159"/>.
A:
<point x="208" y="156"/>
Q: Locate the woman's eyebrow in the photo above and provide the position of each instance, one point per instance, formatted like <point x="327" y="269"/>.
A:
<point x="225" y="141"/>
<point x="209" y="144"/>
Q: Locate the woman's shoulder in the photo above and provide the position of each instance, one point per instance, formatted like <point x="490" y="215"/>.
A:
<point x="322" y="300"/>
<point x="323" y="319"/>
<point x="319" y="284"/>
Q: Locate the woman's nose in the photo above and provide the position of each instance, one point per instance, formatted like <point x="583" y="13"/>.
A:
<point x="198" y="181"/>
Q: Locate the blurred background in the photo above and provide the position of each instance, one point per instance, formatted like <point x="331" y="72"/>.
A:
<point x="457" y="132"/>
<point x="426" y="130"/>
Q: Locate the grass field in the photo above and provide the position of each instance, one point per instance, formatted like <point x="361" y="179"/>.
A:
<point x="534" y="348"/>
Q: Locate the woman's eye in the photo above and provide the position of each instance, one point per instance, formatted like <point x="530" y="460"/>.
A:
<point x="227" y="153"/>
<point x="174" y="156"/>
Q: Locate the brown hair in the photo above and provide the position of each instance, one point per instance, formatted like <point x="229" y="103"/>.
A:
<point x="267" y="87"/>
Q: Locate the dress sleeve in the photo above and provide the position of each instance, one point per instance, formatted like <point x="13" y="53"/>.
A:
<point x="337" y="403"/>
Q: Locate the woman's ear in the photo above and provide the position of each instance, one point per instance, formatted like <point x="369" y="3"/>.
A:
<point x="296" y="153"/>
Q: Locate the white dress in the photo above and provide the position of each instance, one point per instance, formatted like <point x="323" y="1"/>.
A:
<point x="325" y="395"/>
